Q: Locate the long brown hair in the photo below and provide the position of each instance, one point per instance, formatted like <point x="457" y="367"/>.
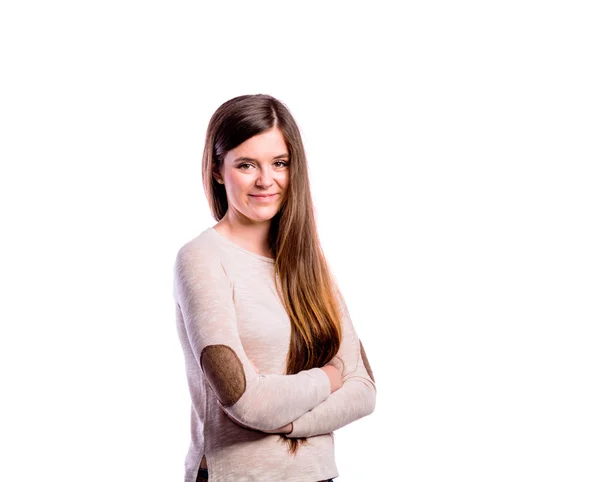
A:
<point x="306" y="287"/>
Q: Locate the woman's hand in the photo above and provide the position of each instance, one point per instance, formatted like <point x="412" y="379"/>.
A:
<point x="335" y="377"/>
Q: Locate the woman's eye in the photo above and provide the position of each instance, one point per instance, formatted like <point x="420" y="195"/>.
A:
<point x="245" y="166"/>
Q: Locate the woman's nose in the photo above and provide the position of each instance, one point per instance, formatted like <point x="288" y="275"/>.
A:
<point x="265" y="178"/>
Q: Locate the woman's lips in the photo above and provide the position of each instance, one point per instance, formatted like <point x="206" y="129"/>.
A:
<point x="263" y="198"/>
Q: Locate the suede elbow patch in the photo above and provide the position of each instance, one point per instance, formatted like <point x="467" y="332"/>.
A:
<point x="365" y="360"/>
<point x="225" y="373"/>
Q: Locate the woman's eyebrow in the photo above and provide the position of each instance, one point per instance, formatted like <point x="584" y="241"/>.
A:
<point x="256" y="160"/>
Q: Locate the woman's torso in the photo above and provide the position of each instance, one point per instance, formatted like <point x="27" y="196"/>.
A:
<point x="232" y="452"/>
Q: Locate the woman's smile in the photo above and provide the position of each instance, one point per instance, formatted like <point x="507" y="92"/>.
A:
<point x="262" y="197"/>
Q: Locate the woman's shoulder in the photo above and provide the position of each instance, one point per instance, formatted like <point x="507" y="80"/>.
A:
<point x="205" y="239"/>
<point x="203" y="246"/>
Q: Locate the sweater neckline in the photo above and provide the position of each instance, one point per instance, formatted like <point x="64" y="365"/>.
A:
<point x="226" y="240"/>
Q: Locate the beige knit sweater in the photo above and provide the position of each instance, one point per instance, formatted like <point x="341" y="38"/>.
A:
<point x="228" y="312"/>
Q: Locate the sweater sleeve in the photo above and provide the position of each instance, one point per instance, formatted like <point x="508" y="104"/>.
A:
<point x="204" y="294"/>
<point x="356" y="397"/>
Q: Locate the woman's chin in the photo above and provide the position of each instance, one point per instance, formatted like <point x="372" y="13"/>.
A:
<point x="263" y="215"/>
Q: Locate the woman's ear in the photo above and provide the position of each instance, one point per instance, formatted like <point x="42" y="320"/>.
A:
<point x="217" y="177"/>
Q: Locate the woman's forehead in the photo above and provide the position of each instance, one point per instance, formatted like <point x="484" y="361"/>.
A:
<point x="266" y="146"/>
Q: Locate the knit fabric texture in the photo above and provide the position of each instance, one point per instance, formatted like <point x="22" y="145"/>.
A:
<point x="228" y="312"/>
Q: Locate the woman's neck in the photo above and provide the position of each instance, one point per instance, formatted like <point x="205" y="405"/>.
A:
<point x="253" y="237"/>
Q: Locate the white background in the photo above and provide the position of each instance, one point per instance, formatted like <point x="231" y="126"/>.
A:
<point x="453" y="150"/>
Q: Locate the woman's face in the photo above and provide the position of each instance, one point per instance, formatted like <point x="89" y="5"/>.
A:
<point x="258" y="166"/>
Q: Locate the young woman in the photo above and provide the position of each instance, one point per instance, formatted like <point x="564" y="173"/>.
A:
<point x="273" y="361"/>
